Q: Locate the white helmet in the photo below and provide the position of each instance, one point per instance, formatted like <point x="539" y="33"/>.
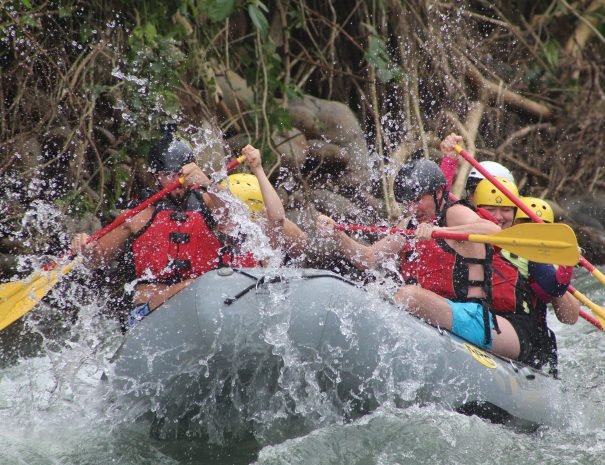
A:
<point x="493" y="168"/>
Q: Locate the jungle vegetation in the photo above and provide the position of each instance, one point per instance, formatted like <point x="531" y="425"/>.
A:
<point x="337" y="94"/>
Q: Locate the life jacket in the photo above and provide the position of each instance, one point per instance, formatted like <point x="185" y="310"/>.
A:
<point x="515" y="293"/>
<point x="178" y="244"/>
<point x="510" y="288"/>
<point x="436" y="266"/>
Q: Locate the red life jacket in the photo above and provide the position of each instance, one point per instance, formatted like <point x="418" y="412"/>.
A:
<point x="179" y="245"/>
<point x="510" y="290"/>
<point x="436" y="266"/>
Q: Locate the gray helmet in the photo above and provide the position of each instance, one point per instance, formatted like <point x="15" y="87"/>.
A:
<point x="416" y="178"/>
<point x="171" y="153"/>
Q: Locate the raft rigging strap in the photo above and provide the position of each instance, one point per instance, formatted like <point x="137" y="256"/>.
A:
<point x="276" y="279"/>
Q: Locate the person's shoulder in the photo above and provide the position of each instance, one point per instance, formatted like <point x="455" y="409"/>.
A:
<point x="460" y="213"/>
<point x="461" y="208"/>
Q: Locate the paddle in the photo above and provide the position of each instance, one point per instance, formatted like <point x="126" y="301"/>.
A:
<point x="596" y="309"/>
<point x="542" y="243"/>
<point x="233" y="163"/>
<point x="19" y="297"/>
<point x="582" y="261"/>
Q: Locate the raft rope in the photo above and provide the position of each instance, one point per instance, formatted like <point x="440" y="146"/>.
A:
<point x="276" y="279"/>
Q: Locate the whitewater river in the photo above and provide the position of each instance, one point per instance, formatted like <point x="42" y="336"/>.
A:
<point x="54" y="411"/>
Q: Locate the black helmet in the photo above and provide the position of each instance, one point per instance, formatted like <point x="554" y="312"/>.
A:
<point x="171" y="153"/>
<point x="416" y="178"/>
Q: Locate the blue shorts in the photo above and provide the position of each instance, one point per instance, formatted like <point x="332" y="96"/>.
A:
<point x="467" y="322"/>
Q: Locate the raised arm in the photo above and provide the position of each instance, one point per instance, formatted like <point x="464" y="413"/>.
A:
<point x="281" y="231"/>
<point x="449" y="162"/>
<point x="276" y="215"/>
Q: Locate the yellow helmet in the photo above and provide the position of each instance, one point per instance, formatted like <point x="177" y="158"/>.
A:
<point x="487" y="194"/>
<point x="540" y="207"/>
<point x="246" y="188"/>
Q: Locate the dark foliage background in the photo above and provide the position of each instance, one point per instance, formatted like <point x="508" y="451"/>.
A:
<point x="84" y="86"/>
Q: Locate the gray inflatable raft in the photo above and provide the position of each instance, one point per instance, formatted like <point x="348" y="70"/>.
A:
<point x="279" y="352"/>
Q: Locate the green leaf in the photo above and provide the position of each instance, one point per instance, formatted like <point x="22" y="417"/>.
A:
<point x="281" y="118"/>
<point x="64" y="12"/>
<point x="258" y="18"/>
<point x="27" y="4"/>
<point x="219" y="10"/>
<point x="377" y="55"/>
<point x="551" y="51"/>
<point x="150" y="32"/>
<point x="29" y="20"/>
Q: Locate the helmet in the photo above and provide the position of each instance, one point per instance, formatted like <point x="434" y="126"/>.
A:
<point x="246" y="188"/>
<point x="540" y="207"/>
<point x="495" y="169"/>
<point x="418" y="177"/>
<point x="171" y="153"/>
<point x="488" y="194"/>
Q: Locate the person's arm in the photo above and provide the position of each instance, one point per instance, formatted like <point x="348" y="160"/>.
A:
<point x="362" y="256"/>
<point x="463" y="220"/>
<point x="276" y="215"/>
<point x="548" y="281"/>
<point x="567" y="308"/>
<point x="449" y="162"/>
<point x="295" y="239"/>
<point x="281" y="231"/>
<point x="102" y="251"/>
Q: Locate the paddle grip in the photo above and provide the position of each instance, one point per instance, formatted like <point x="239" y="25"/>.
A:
<point x="233" y="163"/>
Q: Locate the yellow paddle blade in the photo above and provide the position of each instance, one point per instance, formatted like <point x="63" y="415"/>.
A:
<point x="19" y="297"/>
<point x="538" y="242"/>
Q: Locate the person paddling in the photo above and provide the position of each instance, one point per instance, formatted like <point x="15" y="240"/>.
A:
<point x="453" y="283"/>
<point x="447" y="282"/>
<point x="177" y="240"/>
<point x="521" y="289"/>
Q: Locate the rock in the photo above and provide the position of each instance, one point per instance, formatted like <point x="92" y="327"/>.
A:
<point x="586" y="216"/>
<point x="587" y="210"/>
<point x="340" y="208"/>
<point x="292" y="147"/>
<point x="326" y="156"/>
<point x="88" y="224"/>
<point x="591" y="241"/>
<point x="343" y="141"/>
<point x="8" y="265"/>
<point x="236" y="95"/>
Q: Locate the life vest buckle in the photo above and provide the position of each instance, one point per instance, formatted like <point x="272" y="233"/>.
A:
<point x="180" y="265"/>
<point x="179" y="217"/>
<point x="179" y="237"/>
